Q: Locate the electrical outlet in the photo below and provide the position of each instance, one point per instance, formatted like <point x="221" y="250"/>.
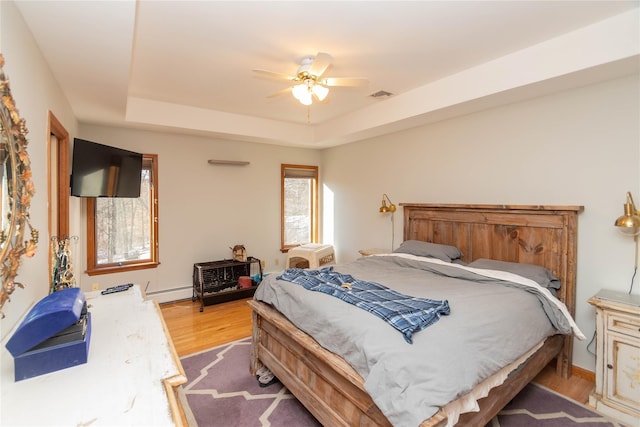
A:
<point x="95" y="287"/>
<point x="277" y="261"/>
<point x="262" y="264"/>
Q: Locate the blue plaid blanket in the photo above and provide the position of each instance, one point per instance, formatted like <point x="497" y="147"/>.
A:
<point x="405" y="313"/>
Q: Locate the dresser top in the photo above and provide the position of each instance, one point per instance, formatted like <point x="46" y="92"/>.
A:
<point x="122" y="382"/>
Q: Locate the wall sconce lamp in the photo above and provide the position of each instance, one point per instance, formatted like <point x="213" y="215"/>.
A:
<point x="384" y="208"/>
<point x="629" y="224"/>
<point x="391" y="208"/>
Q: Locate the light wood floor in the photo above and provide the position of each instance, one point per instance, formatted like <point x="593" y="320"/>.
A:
<point x="193" y="331"/>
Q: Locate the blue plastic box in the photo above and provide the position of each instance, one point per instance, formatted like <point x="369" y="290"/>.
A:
<point x="55" y="335"/>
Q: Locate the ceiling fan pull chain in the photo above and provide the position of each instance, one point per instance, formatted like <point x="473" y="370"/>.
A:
<point x="308" y="114"/>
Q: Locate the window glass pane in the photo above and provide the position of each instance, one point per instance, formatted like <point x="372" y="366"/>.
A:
<point x="299" y="204"/>
<point x="297" y="210"/>
<point x="123" y="231"/>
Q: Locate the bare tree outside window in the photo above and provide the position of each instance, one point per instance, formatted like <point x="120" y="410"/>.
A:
<point x="123" y="231"/>
<point x="298" y="210"/>
<point x="299" y="205"/>
<point x="123" y="226"/>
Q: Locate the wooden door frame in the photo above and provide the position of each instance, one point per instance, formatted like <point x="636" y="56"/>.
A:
<point x="61" y="199"/>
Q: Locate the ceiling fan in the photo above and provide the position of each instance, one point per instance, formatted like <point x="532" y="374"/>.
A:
<point x="309" y="80"/>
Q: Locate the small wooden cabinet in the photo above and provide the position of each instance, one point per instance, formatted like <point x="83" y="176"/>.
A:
<point x="617" y="390"/>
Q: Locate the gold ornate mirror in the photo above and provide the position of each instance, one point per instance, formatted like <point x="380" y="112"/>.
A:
<point x="15" y="192"/>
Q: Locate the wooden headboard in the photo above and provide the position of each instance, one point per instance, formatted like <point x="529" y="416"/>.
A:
<point x="541" y="235"/>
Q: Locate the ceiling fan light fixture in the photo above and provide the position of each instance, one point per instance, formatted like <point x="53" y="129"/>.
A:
<point x="309" y="81"/>
<point x="304" y="90"/>
<point x="299" y="91"/>
<point x="305" y="97"/>
<point x="307" y="100"/>
<point x="320" y="91"/>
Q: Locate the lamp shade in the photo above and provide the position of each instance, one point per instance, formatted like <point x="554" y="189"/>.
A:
<point x="629" y="223"/>
<point x="306" y="99"/>
<point x="299" y="91"/>
<point x="320" y="91"/>
<point x="384" y="208"/>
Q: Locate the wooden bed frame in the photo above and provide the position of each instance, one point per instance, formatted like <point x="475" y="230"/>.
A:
<point x="334" y="393"/>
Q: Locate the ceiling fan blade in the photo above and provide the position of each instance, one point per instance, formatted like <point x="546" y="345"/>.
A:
<point x="280" y="93"/>
<point x="345" y="81"/>
<point x="320" y="64"/>
<point x="271" y="74"/>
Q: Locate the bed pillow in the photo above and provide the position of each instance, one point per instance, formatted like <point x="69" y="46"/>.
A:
<point x="427" y="249"/>
<point x="537" y="273"/>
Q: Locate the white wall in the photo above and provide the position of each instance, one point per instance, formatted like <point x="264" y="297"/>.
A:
<point x="203" y="209"/>
<point x="579" y="147"/>
<point x="36" y="93"/>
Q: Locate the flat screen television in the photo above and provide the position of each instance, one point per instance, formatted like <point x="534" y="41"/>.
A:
<point x="99" y="170"/>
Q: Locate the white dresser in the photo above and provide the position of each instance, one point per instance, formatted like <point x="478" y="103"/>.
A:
<point x="130" y="377"/>
<point x="617" y="390"/>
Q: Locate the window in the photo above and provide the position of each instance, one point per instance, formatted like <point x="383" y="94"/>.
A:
<point x="123" y="232"/>
<point x="299" y="205"/>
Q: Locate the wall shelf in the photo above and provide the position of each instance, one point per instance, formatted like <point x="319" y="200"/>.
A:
<point x="228" y="162"/>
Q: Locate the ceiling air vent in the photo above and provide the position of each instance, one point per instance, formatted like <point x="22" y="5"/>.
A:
<point x="381" y="94"/>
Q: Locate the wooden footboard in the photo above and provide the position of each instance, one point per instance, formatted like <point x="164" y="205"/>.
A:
<point x="334" y="392"/>
<point x="323" y="382"/>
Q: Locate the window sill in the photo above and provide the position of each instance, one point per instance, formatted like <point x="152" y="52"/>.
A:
<point x="115" y="268"/>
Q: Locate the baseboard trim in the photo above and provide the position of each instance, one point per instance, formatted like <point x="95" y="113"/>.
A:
<point x="171" y="295"/>
<point x="583" y="373"/>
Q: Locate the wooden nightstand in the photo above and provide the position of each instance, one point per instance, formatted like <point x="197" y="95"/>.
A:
<point x="617" y="390"/>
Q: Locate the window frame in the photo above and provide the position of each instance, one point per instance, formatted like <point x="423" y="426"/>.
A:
<point x="92" y="267"/>
<point x="314" y="204"/>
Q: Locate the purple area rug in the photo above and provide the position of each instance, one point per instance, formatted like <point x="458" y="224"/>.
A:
<point x="221" y="392"/>
<point x="540" y="407"/>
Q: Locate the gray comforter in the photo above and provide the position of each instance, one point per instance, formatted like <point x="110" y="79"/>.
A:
<point x="492" y="322"/>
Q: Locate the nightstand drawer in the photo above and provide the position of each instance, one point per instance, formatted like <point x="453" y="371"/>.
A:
<point x="623" y="324"/>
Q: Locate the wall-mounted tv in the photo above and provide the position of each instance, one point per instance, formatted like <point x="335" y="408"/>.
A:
<point x="99" y="170"/>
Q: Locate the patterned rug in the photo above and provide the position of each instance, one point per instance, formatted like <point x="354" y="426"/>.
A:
<point x="221" y="392"/>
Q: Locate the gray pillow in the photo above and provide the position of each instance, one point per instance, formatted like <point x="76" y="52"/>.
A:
<point x="537" y="273"/>
<point x="427" y="249"/>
